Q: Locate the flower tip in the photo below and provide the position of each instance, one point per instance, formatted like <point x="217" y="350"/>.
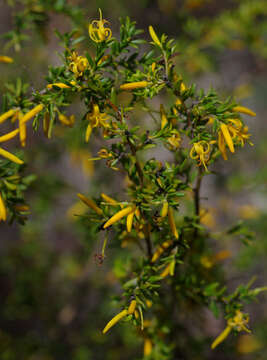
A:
<point x="154" y="35"/>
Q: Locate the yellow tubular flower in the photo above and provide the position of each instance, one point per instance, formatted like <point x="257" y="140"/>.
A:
<point x="147" y="347"/>
<point x="119" y="215"/>
<point x="160" y="250"/>
<point x="90" y="203"/>
<point x="9" y="135"/>
<point x="227" y="137"/>
<point x="164" y="210"/>
<point x="134" y="85"/>
<point x="129" y="221"/>
<point x="166" y="271"/>
<point x="60" y="85"/>
<point x="104" y="58"/>
<point x="6" y="115"/>
<point x="164" y="120"/>
<point x="154" y="36"/>
<point x="223" y="335"/>
<point x="114" y="320"/>
<point x="131" y="308"/>
<point x="238" y="322"/>
<point x="97" y="30"/>
<point x="6" y="59"/>
<point x="172" y="223"/>
<point x="244" y="110"/>
<point x="96" y="119"/>
<point x="221" y="145"/>
<point x="30" y="114"/>
<point x="109" y="200"/>
<point x="88" y="133"/>
<point x="22" y="131"/>
<point x="46" y="121"/>
<point x="10" y="156"/>
<point x="201" y="152"/>
<point x="3" y="214"/>
<point x="172" y="267"/>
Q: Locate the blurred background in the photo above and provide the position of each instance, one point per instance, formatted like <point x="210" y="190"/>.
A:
<point x="55" y="298"/>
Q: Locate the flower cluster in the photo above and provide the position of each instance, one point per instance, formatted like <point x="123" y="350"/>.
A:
<point x="78" y="64"/>
<point x="98" y="31"/>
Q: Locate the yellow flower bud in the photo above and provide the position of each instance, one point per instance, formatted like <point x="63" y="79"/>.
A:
<point x="6" y="59"/>
<point x="90" y="203"/>
<point x="131" y="308"/>
<point x="154" y="36"/>
<point x="114" y="320"/>
<point x="119" y="215"/>
<point x="3" y="214"/>
<point x="10" y="156"/>
<point x="244" y="110"/>
<point x="9" y="135"/>
<point x="30" y="114"/>
<point x="134" y="85"/>
<point x="7" y="115"/>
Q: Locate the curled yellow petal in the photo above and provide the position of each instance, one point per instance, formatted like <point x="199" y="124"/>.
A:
<point x="30" y="114"/>
<point x="7" y="115"/>
<point x="172" y="223"/>
<point x="223" y="335"/>
<point x="9" y="135"/>
<point x="154" y="35"/>
<point x="131" y="308"/>
<point x="10" y="156"/>
<point x="114" y="320"/>
<point x="90" y="203"/>
<point x="244" y="110"/>
<point x="119" y="215"/>
<point x="227" y="137"/>
<point x="98" y="31"/>
<point x="3" y="214"/>
<point x="134" y="85"/>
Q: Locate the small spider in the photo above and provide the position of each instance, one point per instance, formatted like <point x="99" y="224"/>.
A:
<point x="99" y="259"/>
